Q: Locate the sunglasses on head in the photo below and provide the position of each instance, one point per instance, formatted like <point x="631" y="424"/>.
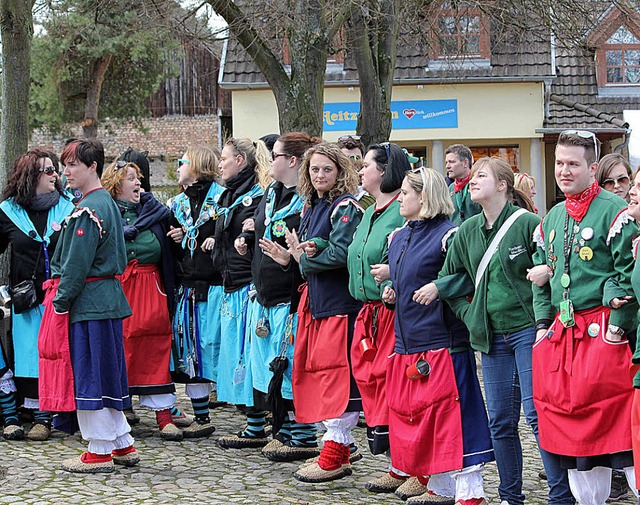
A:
<point x="583" y="134"/>
<point x="423" y="175"/>
<point x="387" y="149"/>
<point x="608" y="184"/>
<point x="48" y="170"/>
<point x="344" y="138"/>
<point x="183" y="162"/>
<point x="120" y="164"/>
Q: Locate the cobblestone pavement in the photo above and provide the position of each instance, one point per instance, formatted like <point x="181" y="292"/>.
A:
<point x="199" y="471"/>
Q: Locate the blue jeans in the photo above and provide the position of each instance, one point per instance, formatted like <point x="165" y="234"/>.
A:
<point x="508" y="383"/>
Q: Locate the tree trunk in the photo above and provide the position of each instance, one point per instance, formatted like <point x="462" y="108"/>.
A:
<point x="373" y="31"/>
<point x="98" y="72"/>
<point x="16" y="27"/>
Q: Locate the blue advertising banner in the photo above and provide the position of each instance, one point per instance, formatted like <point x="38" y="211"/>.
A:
<point x="405" y="115"/>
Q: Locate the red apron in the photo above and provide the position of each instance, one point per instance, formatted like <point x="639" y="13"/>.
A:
<point x="321" y="376"/>
<point x="635" y="431"/>
<point x="147" y="333"/>
<point x="371" y="376"/>
<point x="581" y="388"/>
<point x="56" y="387"/>
<point x="425" y="418"/>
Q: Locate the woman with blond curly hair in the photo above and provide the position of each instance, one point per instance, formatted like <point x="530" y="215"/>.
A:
<point x="148" y="285"/>
<point x="196" y="321"/>
<point x="323" y="386"/>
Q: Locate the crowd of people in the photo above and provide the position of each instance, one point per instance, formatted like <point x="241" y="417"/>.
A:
<point x="308" y="283"/>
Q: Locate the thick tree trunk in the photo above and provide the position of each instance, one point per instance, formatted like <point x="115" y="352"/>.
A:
<point x="16" y="27"/>
<point x="98" y="72"/>
<point x="373" y="31"/>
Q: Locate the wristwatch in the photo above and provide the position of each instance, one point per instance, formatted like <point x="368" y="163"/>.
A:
<point x="616" y="330"/>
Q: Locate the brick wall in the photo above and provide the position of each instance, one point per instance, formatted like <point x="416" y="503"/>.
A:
<point x="167" y="136"/>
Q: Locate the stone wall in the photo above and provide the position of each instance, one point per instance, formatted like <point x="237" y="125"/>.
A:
<point x="164" y="137"/>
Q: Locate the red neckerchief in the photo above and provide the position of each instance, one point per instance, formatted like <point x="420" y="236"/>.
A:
<point x="578" y="205"/>
<point x="458" y="185"/>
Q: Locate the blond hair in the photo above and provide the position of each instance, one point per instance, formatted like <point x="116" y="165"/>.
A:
<point x="255" y="154"/>
<point x="346" y="180"/>
<point x="203" y="162"/>
<point x="523" y="182"/>
<point x="436" y="200"/>
<point x="115" y="174"/>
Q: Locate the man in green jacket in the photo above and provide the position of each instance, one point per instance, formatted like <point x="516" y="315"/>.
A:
<point x="458" y="162"/>
<point x="581" y="384"/>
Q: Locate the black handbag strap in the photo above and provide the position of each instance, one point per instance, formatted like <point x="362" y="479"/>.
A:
<point x="33" y="277"/>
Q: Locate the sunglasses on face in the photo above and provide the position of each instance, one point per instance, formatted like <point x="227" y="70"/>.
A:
<point x="608" y="184"/>
<point x="583" y="134"/>
<point x="183" y="162"/>
<point x="48" y="170"/>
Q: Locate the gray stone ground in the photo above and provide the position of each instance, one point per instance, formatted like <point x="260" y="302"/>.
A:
<point x="201" y="472"/>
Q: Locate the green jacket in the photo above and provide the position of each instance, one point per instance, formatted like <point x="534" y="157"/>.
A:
<point x="91" y="244"/>
<point x="458" y="273"/>
<point x="607" y="231"/>
<point x="463" y="205"/>
<point x="370" y="247"/>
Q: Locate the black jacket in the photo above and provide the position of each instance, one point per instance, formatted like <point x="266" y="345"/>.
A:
<point x="275" y="284"/>
<point x="198" y="267"/>
<point x="235" y="269"/>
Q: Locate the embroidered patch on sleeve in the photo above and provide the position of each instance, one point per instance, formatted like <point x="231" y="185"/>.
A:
<point x="79" y="232"/>
<point x="345" y="219"/>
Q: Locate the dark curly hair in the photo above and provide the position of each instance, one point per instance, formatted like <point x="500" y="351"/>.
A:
<point x="24" y="175"/>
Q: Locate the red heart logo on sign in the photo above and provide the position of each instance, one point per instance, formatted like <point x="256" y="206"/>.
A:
<point x="409" y="113"/>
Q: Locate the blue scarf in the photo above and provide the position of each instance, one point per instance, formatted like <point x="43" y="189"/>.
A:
<point x="55" y="217"/>
<point x="275" y="220"/>
<point x="246" y="200"/>
<point x="181" y="208"/>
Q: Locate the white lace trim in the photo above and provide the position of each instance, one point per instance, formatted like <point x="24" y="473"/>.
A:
<point x="616" y="228"/>
<point x="6" y="383"/>
<point x="445" y="238"/>
<point x="344" y="203"/>
<point x="393" y="233"/>
<point x="85" y="210"/>
<point x="538" y="238"/>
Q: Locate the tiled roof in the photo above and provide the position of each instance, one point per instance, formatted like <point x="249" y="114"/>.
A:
<point x="513" y="56"/>
<point x="510" y="58"/>
<point x="576" y="81"/>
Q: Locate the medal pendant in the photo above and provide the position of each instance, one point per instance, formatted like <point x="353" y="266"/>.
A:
<point x="565" y="280"/>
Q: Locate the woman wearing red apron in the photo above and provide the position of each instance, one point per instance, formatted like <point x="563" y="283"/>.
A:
<point x="148" y="285"/>
<point x="438" y="424"/>
<point x="383" y="170"/>
<point x="323" y="387"/>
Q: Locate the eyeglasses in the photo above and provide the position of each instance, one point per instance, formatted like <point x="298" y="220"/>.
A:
<point x="583" y="134"/>
<point x="275" y="156"/>
<point x="48" y="170"/>
<point x="120" y="164"/>
<point x="609" y="184"/>
<point x="183" y="162"/>
<point x="423" y="175"/>
<point x="344" y="138"/>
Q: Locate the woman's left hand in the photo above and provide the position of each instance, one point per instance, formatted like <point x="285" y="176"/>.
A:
<point x="380" y="272"/>
<point x="426" y="294"/>
<point x="616" y="303"/>
<point x="275" y="251"/>
<point x="208" y="244"/>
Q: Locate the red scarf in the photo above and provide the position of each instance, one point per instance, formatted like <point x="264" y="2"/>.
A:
<point x="458" y="185"/>
<point x="578" y="205"/>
